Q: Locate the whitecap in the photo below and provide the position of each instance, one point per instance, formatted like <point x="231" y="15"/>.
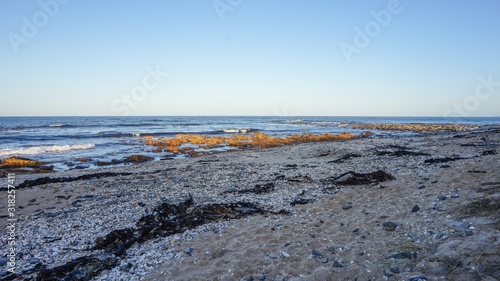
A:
<point x="34" y="150"/>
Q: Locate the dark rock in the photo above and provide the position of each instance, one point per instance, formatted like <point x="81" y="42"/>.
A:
<point x="138" y="158"/>
<point x="443" y="197"/>
<point x="401" y="255"/>
<point x="394" y="268"/>
<point x="319" y="256"/>
<point x="415" y="209"/>
<point x="434" y="181"/>
<point x="390" y="226"/>
<point x="81" y="167"/>
<point x="469" y="233"/>
<point x="188" y="251"/>
<point x="337" y="264"/>
<point x="421" y="187"/>
<point x="346" y="207"/>
<point x="3" y="261"/>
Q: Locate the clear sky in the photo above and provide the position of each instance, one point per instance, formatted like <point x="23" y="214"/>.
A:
<point x="250" y="57"/>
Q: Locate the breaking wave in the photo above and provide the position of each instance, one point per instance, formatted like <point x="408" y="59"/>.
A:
<point x="34" y="150"/>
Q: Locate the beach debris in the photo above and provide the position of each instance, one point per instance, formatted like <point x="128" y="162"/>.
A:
<point x="259" y="188"/>
<point x="415" y="209"/>
<point x="138" y="158"/>
<point x="47" y="180"/>
<point x="401" y="152"/>
<point x="489" y="152"/>
<point x="165" y="219"/>
<point x="83" y="268"/>
<point x="344" y="158"/>
<point x="442" y="160"/>
<point x="302" y="201"/>
<point x="353" y="178"/>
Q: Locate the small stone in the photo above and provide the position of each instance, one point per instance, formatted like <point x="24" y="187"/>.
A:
<point x="34" y="261"/>
<point x="459" y="225"/>
<point x="421" y="187"/>
<point x="415" y="209"/>
<point x="346" y="207"/>
<point x="188" y="251"/>
<point x="443" y="197"/>
<point x="469" y="233"/>
<point x="272" y="256"/>
<point x="400" y="256"/>
<point x="390" y="226"/>
<point x="337" y="264"/>
<point x="417" y="278"/>
<point x="434" y="181"/>
<point x="259" y="277"/>
<point x="3" y="261"/>
<point x="318" y="256"/>
<point x="394" y="268"/>
<point x="284" y="254"/>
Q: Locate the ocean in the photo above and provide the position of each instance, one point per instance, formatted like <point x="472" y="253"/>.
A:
<point x="60" y="140"/>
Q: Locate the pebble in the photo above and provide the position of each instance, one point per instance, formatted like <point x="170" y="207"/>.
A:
<point x="403" y="255"/>
<point x="346" y="207"/>
<point x="390" y="226"/>
<point x="337" y="264"/>
<point x="415" y="209"/>
<point x="394" y="268"/>
<point x="443" y="197"/>
<point x="3" y="261"/>
<point x="469" y="233"/>
<point x="284" y="254"/>
<point x="459" y="225"/>
<point x="188" y="251"/>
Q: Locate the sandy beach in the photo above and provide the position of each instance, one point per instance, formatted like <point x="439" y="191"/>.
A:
<point x="404" y="208"/>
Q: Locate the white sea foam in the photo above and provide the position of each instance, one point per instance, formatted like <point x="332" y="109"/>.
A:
<point x="56" y="125"/>
<point x="244" y="131"/>
<point x="45" y="149"/>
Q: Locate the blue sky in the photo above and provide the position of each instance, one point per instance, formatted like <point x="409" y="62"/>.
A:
<point x="242" y="57"/>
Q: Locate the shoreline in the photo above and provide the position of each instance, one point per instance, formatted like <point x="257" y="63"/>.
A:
<point x="303" y="173"/>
